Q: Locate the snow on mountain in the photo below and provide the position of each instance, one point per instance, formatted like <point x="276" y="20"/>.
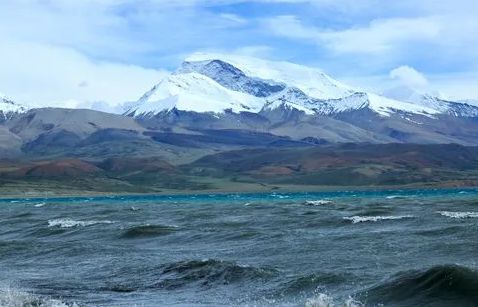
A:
<point x="471" y="102"/>
<point x="193" y="92"/>
<point x="8" y="107"/>
<point x="313" y="82"/>
<point x="386" y="106"/>
<point x="216" y="83"/>
<point x="427" y="100"/>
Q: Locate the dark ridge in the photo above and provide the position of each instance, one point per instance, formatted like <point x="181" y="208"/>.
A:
<point x="147" y="231"/>
<point x="110" y="134"/>
<point x="209" y="273"/>
<point x="50" y="140"/>
<point x="224" y="136"/>
<point x="444" y="285"/>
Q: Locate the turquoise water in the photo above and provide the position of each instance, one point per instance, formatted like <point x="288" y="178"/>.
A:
<point x="347" y="248"/>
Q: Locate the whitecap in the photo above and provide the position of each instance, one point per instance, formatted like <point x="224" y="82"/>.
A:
<point x="395" y="196"/>
<point x="39" y="205"/>
<point x="459" y="215"/>
<point x="319" y="202"/>
<point x="68" y="223"/>
<point x="324" y="300"/>
<point x="362" y="219"/>
<point x="10" y="296"/>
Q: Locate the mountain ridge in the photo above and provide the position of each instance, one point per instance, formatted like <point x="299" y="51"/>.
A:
<point x="213" y="106"/>
<point x="8" y="108"/>
<point x="216" y="83"/>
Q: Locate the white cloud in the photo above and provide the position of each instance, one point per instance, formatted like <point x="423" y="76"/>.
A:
<point x="410" y="77"/>
<point x="461" y="85"/>
<point x="234" y="18"/>
<point x="454" y="86"/>
<point x="380" y="36"/>
<point x="41" y="74"/>
<point x="105" y="51"/>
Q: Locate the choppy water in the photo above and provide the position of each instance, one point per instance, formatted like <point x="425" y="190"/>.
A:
<point x="395" y="248"/>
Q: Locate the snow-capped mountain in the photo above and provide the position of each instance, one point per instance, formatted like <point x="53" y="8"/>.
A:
<point x="212" y="83"/>
<point x="193" y="91"/>
<point x="433" y="101"/>
<point x="8" y="108"/>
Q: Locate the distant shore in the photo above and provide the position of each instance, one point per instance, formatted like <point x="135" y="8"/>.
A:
<point x="244" y="190"/>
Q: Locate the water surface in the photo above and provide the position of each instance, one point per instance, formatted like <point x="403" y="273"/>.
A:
<point x="390" y="248"/>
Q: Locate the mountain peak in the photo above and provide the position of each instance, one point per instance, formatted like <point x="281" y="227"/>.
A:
<point x="431" y="101"/>
<point x="312" y="81"/>
<point x="217" y="83"/>
<point x="8" y="107"/>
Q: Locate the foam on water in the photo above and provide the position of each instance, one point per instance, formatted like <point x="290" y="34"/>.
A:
<point x="362" y="219"/>
<point x="319" y="202"/>
<point x="395" y="196"/>
<point x="11" y="297"/>
<point x="324" y="300"/>
<point x="40" y="205"/>
<point x="459" y="215"/>
<point x="68" y="223"/>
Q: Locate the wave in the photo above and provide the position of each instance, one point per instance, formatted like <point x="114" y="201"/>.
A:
<point x="69" y="223"/>
<point x="13" y="297"/>
<point x="362" y="219"/>
<point x="39" y="205"/>
<point x="396" y="197"/>
<point x="459" y="215"/>
<point x="311" y="282"/>
<point x="319" y="202"/>
<point x="209" y="273"/>
<point x="439" y="231"/>
<point x="143" y="231"/>
<point x="324" y="300"/>
<point x="444" y="285"/>
<point x="376" y="211"/>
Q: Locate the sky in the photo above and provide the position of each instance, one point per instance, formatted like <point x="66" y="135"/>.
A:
<point x="101" y="53"/>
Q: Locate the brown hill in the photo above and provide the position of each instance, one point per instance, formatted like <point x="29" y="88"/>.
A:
<point x="59" y="168"/>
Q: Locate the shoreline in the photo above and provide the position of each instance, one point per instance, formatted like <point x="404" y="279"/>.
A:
<point x="284" y="190"/>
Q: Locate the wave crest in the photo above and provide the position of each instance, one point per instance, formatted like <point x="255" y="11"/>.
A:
<point x="320" y="202"/>
<point x="69" y="223"/>
<point x="324" y="300"/>
<point x="459" y="215"/>
<point x="438" y="286"/>
<point x="362" y="219"/>
<point x="12" y="297"/>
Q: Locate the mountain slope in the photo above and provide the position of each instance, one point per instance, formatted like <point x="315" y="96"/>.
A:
<point x="216" y="92"/>
<point x="440" y="105"/>
<point x="193" y="92"/>
<point x="8" y="108"/>
<point x="218" y="83"/>
<point x="311" y="81"/>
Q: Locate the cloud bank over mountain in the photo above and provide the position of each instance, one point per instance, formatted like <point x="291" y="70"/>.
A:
<point x="87" y="53"/>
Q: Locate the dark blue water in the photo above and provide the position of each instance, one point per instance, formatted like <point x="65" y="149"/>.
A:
<point x="389" y="248"/>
